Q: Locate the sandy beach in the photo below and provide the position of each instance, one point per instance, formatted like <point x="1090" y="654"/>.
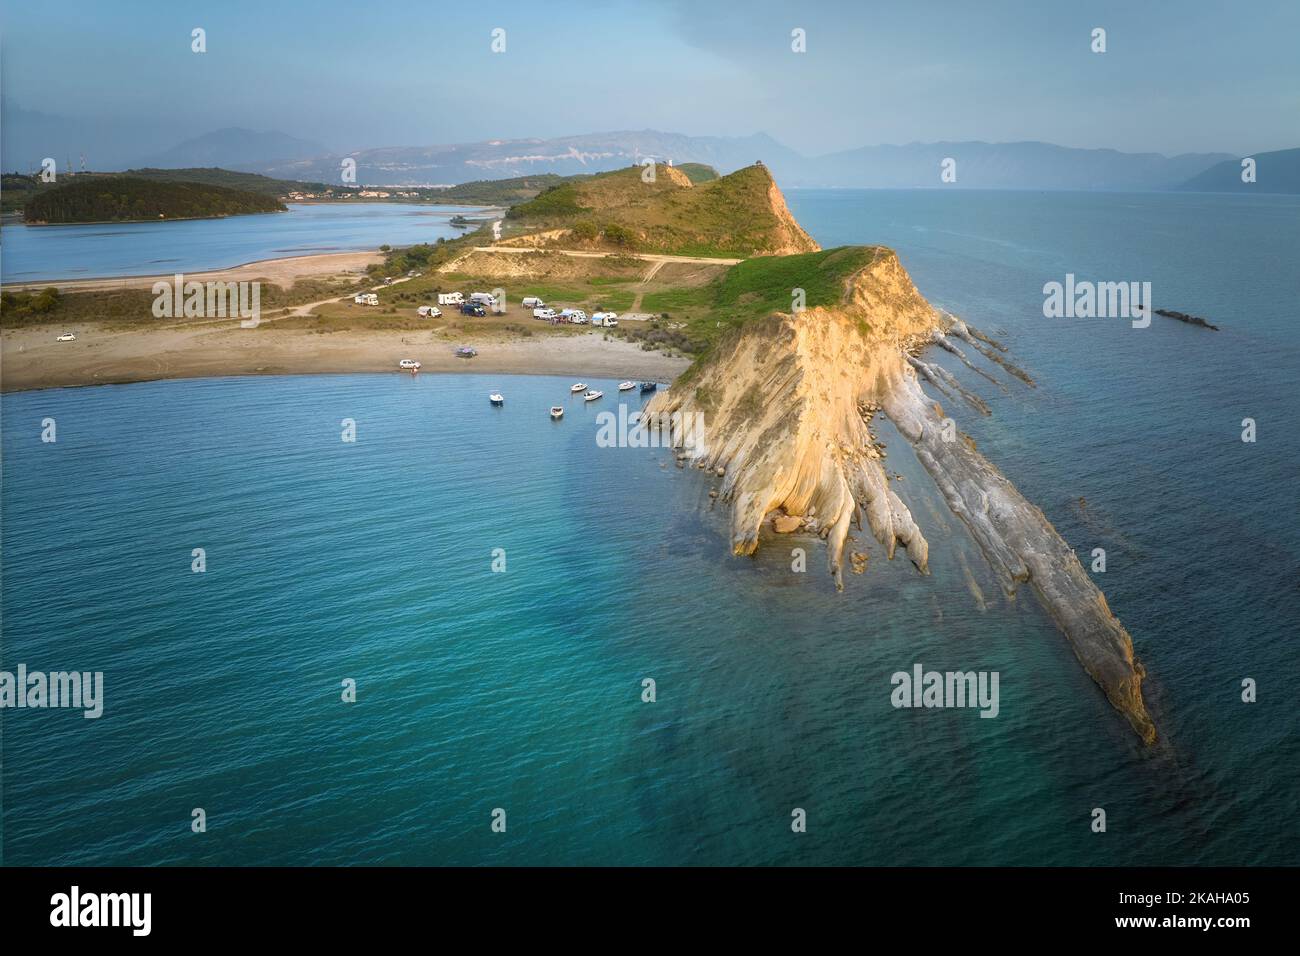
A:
<point x="32" y="359"/>
<point x="281" y="272"/>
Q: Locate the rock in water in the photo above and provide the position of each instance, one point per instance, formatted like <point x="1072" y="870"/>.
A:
<point x="784" y="524"/>
<point x="782" y="400"/>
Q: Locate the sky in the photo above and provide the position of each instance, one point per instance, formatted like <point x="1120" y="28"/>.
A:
<point x="1176" y="76"/>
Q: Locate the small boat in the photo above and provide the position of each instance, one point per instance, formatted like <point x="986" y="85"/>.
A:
<point x="579" y="387"/>
<point x="557" y="412"/>
<point x="496" y="398"/>
<point x="626" y="386"/>
<point x="592" y="396"/>
<point x="648" y="386"/>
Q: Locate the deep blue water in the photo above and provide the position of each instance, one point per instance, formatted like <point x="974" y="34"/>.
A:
<point x="155" y="248"/>
<point x="521" y="690"/>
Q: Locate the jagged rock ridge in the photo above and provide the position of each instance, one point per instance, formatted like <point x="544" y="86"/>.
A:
<point x="786" y="402"/>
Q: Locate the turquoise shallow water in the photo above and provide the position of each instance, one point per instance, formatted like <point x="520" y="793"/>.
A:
<point x="521" y="690"/>
<point x="34" y="253"/>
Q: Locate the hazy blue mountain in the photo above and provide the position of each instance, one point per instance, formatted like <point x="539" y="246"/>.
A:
<point x="979" y="165"/>
<point x="1275" y="172"/>
<point x="32" y="135"/>
<point x="235" y="148"/>
<point x="566" y="155"/>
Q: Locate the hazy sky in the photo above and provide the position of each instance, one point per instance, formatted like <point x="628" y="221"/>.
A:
<point x="1176" y="77"/>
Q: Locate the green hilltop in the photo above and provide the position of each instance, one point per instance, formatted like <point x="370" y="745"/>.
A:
<point x="125" y="199"/>
<point x="735" y="216"/>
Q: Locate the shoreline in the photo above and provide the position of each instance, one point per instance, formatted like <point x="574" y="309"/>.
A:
<point x="310" y="261"/>
<point x="468" y="369"/>
<point x="31" y="359"/>
<point x="43" y="224"/>
<point x="289" y="268"/>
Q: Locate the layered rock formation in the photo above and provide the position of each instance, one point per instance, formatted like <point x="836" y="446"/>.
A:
<point x="786" y="402"/>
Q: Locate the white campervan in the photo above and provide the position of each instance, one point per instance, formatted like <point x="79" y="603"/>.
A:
<point x="533" y="302"/>
<point x="576" y="316"/>
<point x="606" y="320"/>
<point x="450" y="298"/>
<point x="547" y="314"/>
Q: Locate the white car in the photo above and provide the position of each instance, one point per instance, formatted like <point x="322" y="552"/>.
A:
<point x="429" y="312"/>
<point x="66" y="337"/>
<point x="409" y="364"/>
<point x="545" y="314"/>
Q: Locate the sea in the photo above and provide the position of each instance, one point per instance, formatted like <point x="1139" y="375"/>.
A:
<point x="37" y="253"/>
<point x="472" y="635"/>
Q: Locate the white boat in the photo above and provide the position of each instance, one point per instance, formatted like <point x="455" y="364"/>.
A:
<point x="592" y="396"/>
<point x="626" y="386"/>
<point x="557" y="412"/>
<point x="496" y="398"/>
<point x="579" y="387"/>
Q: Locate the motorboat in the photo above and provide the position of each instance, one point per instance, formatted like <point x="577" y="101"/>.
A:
<point x="648" y="386"/>
<point x="496" y="398"/>
<point x="626" y="386"/>
<point x="578" y="387"/>
<point x="592" y="396"/>
<point x="557" y="412"/>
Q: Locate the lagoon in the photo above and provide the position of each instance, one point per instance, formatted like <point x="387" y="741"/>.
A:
<point x="35" y="253"/>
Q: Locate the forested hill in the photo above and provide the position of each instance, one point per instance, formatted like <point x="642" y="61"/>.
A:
<point x="125" y="198"/>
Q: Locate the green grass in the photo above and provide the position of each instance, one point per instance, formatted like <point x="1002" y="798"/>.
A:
<point x="677" y="300"/>
<point x="720" y="217"/>
<point x="134" y="307"/>
<point x="698" y="172"/>
<point x="752" y="289"/>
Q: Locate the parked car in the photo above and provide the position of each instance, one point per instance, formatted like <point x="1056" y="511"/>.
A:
<point x="472" y="308"/>
<point x="428" y="312"/>
<point x="409" y="364"/>
<point x="576" y="316"/>
<point x="366" y="298"/>
<point x="450" y="298"/>
<point x="607" y="320"/>
<point x="466" y="351"/>
<point x="546" y="314"/>
<point x="66" y="337"/>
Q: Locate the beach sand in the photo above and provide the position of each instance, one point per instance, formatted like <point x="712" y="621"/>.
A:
<point x="31" y="358"/>
<point x="281" y="272"/>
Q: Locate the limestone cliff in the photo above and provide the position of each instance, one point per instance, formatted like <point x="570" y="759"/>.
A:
<point x="785" y="401"/>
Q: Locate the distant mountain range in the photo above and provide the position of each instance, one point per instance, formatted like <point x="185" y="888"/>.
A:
<point x="235" y="148"/>
<point x="1275" y="172"/>
<point x="977" y="165"/>
<point x="565" y="156"/>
